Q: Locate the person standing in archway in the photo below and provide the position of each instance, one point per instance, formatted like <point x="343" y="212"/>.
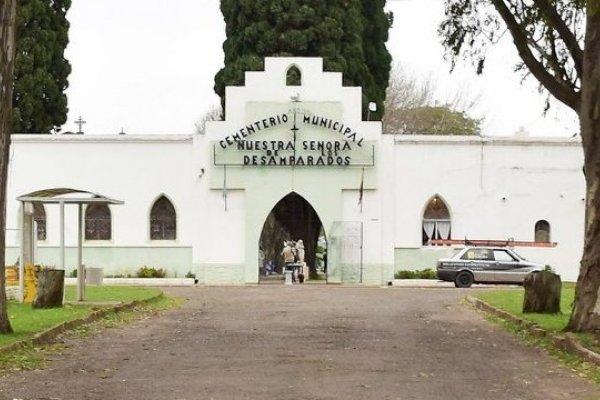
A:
<point x="288" y="257"/>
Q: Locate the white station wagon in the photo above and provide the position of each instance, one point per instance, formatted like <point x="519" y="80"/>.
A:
<point x="485" y="265"/>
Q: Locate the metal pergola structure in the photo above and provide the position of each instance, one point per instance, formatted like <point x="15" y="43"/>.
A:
<point x="61" y="196"/>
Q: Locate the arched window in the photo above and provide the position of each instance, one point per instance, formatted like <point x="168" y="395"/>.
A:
<point x="163" y="220"/>
<point x="39" y="216"/>
<point x="542" y="231"/>
<point x="293" y="76"/>
<point x="97" y="222"/>
<point x="436" y="221"/>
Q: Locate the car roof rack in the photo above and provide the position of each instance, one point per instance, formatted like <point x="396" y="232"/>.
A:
<point x="510" y="242"/>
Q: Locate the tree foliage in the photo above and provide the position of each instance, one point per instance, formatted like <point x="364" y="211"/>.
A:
<point x="558" y="42"/>
<point x="548" y="35"/>
<point x="436" y="120"/>
<point x="214" y="113"/>
<point x="349" y="34"/>
<point x="41" y="70"/>
<point x="377" y="24"/>
<point x="411" y="107"/>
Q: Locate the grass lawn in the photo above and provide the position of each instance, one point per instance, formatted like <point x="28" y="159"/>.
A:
<point x="27" y="321"/>
<point x="113" y="293"/>
<point x="511" y="300"/>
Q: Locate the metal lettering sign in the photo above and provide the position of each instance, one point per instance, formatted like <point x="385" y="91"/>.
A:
<point x="296" y="144"/>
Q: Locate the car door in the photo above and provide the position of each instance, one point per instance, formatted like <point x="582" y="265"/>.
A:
<point x="506" y="267"/>
<point x="478" y="262"/>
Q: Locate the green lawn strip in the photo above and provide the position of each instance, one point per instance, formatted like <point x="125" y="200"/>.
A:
<point x="32" y="356"/>
<point x="575" y="364"/>
<point x="113" y="293"/>
<point x="28" y="357"/>
<point x="589" y="341"/>
<point x="511" y="300"/>
<point x="26" y="321"/>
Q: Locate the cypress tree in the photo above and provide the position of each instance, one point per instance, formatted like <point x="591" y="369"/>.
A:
<point x="350" y="35"/>
<point x="377" y="57"/>
<point x="41" y="70"/>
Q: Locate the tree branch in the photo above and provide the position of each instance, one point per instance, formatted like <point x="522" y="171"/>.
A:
<point x="553" y="62"/>
<point x="564" y="32"/>
<point x="554" y="84"/>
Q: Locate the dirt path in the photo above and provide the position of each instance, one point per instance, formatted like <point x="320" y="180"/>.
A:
<point x="303" y="342"/>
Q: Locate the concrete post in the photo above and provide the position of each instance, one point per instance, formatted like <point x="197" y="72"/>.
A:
<point x="80" y="269"/>
<point x="27" y="233"/>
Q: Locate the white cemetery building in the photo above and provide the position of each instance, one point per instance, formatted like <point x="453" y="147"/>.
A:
<point x="200" y="203"/>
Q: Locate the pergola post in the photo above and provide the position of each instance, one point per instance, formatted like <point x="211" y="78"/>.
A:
<point x="61" y="197"/>
<point x="27" y="244"/>
<point x="22" y="256"/>
<point x="80" y="269"/>
<point x="62" y="235"/>
<point x="62" y="243"/>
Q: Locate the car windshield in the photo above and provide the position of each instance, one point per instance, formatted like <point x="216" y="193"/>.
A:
<point x="518" y="255"/>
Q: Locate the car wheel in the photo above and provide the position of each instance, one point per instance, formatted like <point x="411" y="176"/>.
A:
<point x="464" y="279"/>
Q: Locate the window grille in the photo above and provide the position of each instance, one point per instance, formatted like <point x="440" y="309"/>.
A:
<point x="98" y="224"/>
<point x="163" y="220"/>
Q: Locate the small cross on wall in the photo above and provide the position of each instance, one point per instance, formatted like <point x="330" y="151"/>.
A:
<point x="80" y="123"/>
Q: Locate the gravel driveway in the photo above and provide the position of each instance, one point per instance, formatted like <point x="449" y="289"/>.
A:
<point x="304" y="342"/>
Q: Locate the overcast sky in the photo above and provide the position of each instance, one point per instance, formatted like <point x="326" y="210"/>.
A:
<point x="148" y="66"/>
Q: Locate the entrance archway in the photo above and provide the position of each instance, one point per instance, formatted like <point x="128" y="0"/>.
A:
<point x="292" y="218"/>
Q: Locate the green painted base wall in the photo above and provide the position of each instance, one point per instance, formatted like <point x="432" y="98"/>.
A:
<point x="177" y="261"/>
<point x="222" y="274"/>
<point x="413" y="259"/>
<point x="230" y="274"/>
<point x="369" y="274"/>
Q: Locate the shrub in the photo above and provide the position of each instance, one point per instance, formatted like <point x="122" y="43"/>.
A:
<point x="428" y="274"/>
<point x="423" y="274"/>
<point x="405" y="275"/>
<point x="190" y="274"/>
<point x="151" y="272"/>
<point x="117" y="276"/>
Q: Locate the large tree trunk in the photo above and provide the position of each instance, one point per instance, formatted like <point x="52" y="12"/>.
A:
<point x="586" y="308"/>
<point x="7" y="64"/>
<point x="542" y="293"/>
<point x="50" y="288"/>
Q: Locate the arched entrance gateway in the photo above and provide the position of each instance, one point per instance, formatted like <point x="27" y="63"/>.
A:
<point x="293" y="218"/>
<point x="293" y="160"/>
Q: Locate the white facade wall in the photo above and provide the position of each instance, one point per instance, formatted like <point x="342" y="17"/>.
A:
<point x="137" y="170"/>
<point x="495" y="188"/>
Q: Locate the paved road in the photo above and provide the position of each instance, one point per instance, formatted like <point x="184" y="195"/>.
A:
<point x="304" y="342"/>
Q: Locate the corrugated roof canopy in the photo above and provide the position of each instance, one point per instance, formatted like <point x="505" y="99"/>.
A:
<point x="66" y="195"/>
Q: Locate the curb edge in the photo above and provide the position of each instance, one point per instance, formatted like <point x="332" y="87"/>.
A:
<point x="45" y="337"/>
<point x="567" y="341"/>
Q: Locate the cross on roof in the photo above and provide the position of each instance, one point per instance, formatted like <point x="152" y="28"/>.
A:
<point x="80" y="123"/>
